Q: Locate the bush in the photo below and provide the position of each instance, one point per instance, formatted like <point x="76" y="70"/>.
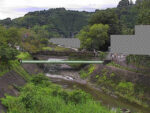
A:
<point x="125" y="88"/>
<point x="39" y="99"/>
<point x="102" y="55"/>
<point x="24" y="55"/>
<point x="84" y="74"/>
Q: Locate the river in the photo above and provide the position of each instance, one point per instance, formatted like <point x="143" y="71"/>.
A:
<point x="68" y="78"/>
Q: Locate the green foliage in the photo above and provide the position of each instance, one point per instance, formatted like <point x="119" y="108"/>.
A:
<point x="126" y="88"/>
<point x="138" y="60"/>
<point x="7" y="53"/>
<point x="123" y="3"/>
<point x="108" y="17"/>
<point x="93" y="37"/>
<point x="57" y="22"/>
<point x="9" y="36"/>
<point x="24" y="55"/>
<point x="36" y="97"/>
<point x="39" y="79"/>
<point x="102" y="55"/>
<point x="8" y="40"/>
<point x="15" y="65"/>
<point x="56" y="48"/>
<point x="112" y="83"/>
<point x="121" y="67"/>
<point x="6" y="21"/>
<point x="85" y="73"/>
<point x="144" y="12"/>
<point x="47" y="48"/>
<point x="3" y="70"/>
<point x="144" y="17"/>
<point x="91" y="69"/>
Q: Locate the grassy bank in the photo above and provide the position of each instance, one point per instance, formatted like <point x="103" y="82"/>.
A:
<point x="15" y="65"/>
<point x="112" y="83"/>
<point x="39" y="95"/>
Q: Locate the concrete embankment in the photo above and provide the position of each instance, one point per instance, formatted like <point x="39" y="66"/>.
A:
<point x="7" y="85"/>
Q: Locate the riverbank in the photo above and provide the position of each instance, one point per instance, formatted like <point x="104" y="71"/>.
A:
<point x="38" y="94"/>
<point x="115" y="80"/>
<point x="70" y="78"/>
<point x="26" y="83"/>
<point x="97" y="77"/>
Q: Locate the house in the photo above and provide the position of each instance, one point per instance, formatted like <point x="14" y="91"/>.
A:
<point x="138" y="44"/>
<point x="66" y="42"/>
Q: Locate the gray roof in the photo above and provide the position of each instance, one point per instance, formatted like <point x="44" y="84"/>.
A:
<point x="66" y="42"/>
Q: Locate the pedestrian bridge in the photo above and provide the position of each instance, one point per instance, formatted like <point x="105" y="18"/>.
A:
<point x="59" y="62"/>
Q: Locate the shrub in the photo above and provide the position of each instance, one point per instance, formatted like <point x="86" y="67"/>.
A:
<point x="126" y="88"/>
<point x="24" y="55"/>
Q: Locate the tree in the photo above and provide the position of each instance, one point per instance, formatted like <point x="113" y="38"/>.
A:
<point x="60" y="22"/>
<point x="8" y="39"/>
<point x="123" y="3"/>
<point x="138" y="1"/>
<point x="131" y="3"/>
<point x="41" y="31"/>
<point x="7" y="53"/>
<point x="144" y="17"/>
<point x="6" y="22"/>
<point x="107" y="17"/>
<point x="144" y="12"/>
<point x="13" y="37"/>
<point x="93" y="37"/>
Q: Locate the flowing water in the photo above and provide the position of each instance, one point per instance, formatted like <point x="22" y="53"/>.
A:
<point x="65" y="76"/>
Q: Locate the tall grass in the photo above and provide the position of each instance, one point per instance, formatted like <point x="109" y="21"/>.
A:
<point x="45" y="97"/>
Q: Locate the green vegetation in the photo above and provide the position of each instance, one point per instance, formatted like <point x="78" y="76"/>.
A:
<point x="57" y="22"/>
<point x="40" y="95"/>
<point x="138" y="60"/>
<point x="3" y="70"/>
<point x="55" y="48"/>
<point x="120" y="66"/>
<point x="106" y="17"/>
<point x="32" y="32"/>
<point x="87" y="72"/>
<point x="7" y="48"/>
<point x="121" y="20"/>
<point x="24" y="55"/>
<point x="15" y="65"/>
<point x="141" y="62"/>
<point x="112" y="83"/>
<point x="144" y="12"/>
<point x="93" y="37"/>
<point x="102" y="55"/>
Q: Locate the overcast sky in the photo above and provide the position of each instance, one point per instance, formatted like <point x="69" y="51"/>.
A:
<point x="17" y="8"/>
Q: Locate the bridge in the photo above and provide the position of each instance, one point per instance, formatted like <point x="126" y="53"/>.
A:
<point x="59" y="62"/>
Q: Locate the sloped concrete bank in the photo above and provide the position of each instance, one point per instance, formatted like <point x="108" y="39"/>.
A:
<point x="7" y="85"/>
<point x="10" y="80"/>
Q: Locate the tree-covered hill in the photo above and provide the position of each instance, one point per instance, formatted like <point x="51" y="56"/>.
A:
<point x="57" y="22"/>
<point x="120" y="20"/>
<point x="60" y="22"/>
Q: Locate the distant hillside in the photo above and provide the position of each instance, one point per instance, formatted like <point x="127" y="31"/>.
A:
<point x="57" y="22"/>
<point x="60" y="22"/>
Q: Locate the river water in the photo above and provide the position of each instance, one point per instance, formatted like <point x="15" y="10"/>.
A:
<point x="68" y="78"/>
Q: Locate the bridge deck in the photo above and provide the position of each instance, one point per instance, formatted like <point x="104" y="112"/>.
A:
<point x="59" y="62"/>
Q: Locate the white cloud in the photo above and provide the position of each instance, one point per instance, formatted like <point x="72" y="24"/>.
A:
<point x="17" y="8"/>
